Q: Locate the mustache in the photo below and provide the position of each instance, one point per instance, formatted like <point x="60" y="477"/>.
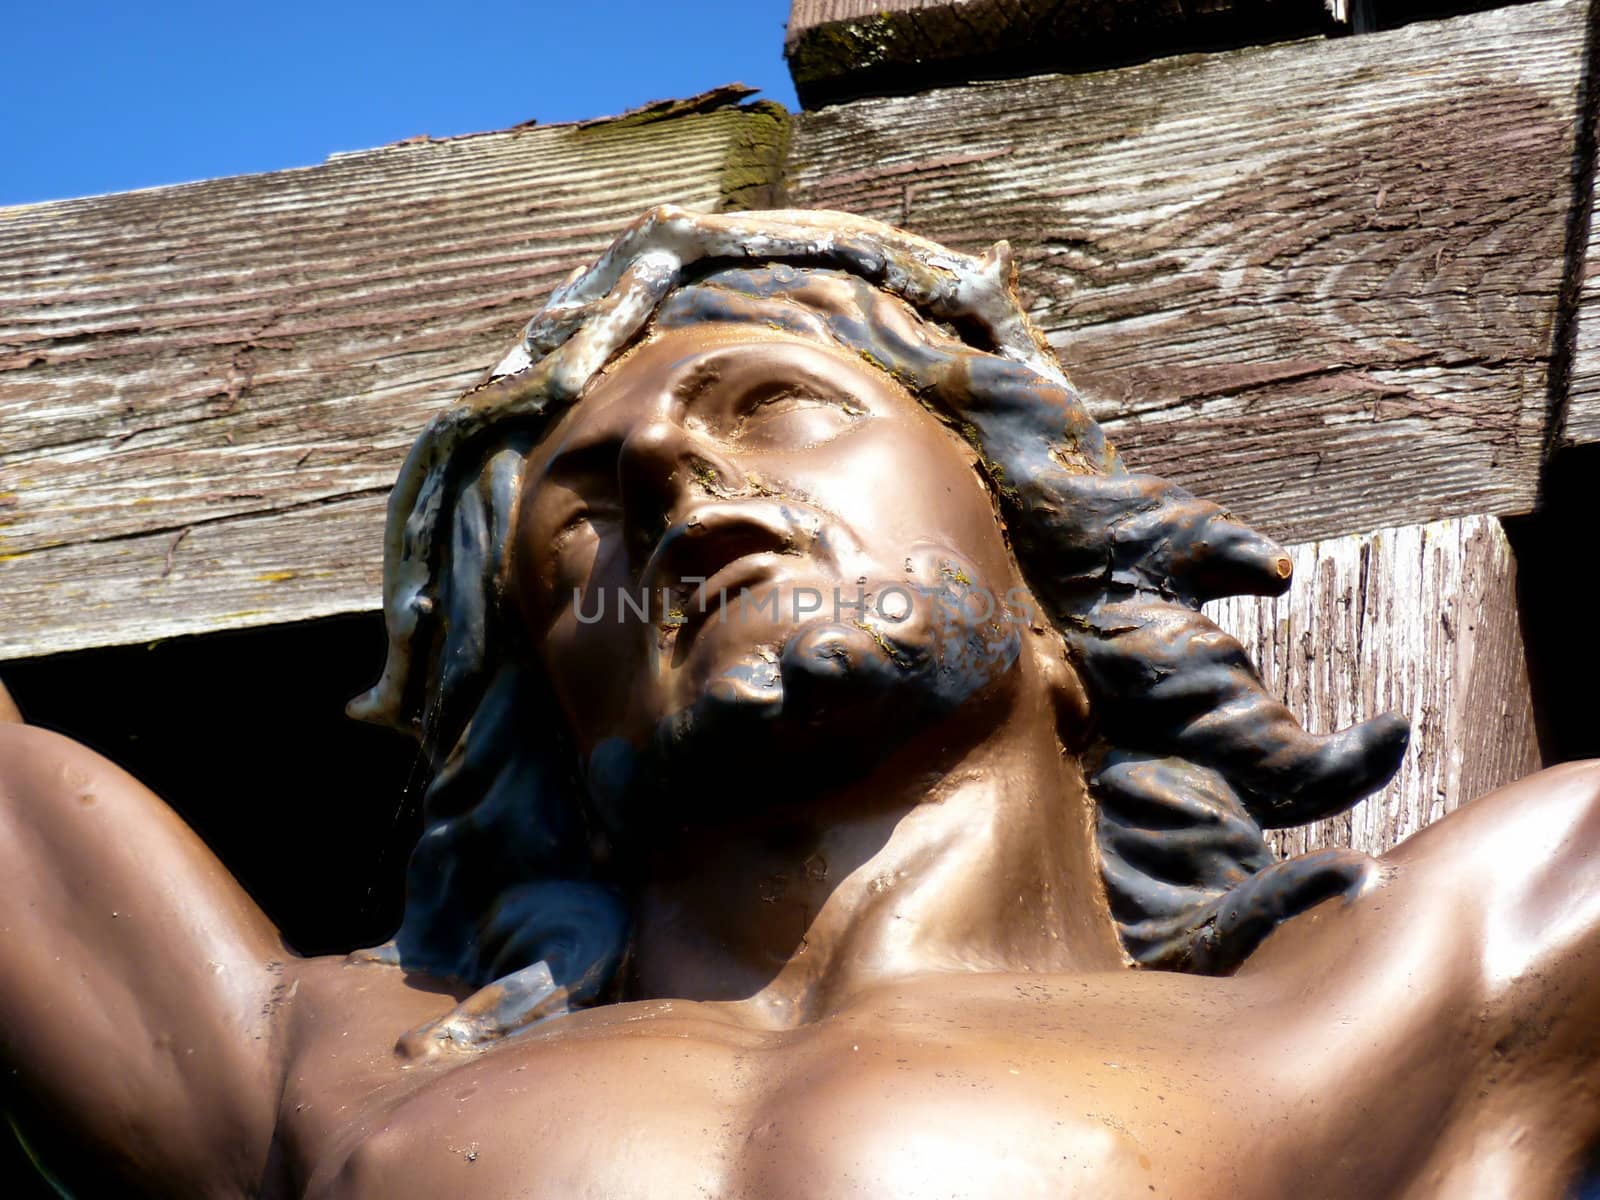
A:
<point x="775" y="715"/>
<point x="725" y="547"/>
<point x="716" y="535"/>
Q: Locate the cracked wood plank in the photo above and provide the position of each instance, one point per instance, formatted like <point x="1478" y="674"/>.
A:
<point x="206" y="390"/>
<point x="844" y="49"/>
<point x="1317" y="282"/>
<point x="1421" y="620"/>
<point x="1581" y="423"/>
<point x="259" y="569"/>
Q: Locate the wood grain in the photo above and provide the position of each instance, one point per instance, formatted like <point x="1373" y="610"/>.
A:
<point x="1421" y="620"/>
<point x="844" y="49"/>
<point x="266" y="568"/>
<point x="1582" y="423"/>
<point x="1318" y="282"/>
<point x="206" y="390"/>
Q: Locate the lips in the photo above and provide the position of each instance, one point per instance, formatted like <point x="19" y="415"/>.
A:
<point x="722" y="547"/>
<point x="713" y="537"/>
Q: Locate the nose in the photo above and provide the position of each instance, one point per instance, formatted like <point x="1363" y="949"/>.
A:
<point x="660" y="464"/>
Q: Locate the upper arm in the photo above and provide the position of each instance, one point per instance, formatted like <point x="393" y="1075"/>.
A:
<point x="139" y="985"/>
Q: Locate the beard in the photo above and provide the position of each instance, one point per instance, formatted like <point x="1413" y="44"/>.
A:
<point x="815" y="705"/>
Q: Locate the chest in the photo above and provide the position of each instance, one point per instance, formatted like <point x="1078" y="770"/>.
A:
<point x="836" y="1117"/>
<point x="975" y="1105"/>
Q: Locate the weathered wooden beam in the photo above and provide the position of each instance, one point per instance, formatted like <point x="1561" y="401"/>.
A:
<point x="1421" y="620"/>
<point x="846" y="49"/>
<point x="1581" y="425"/>
<point x="1318" y="282"/>
<point x="206" y="390"/>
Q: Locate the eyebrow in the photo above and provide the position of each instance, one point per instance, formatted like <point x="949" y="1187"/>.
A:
<point x="598" y="453"/>
<point x="697" y="382"/>
<point x="592" y="456"/>
<point x="716" y="387"/>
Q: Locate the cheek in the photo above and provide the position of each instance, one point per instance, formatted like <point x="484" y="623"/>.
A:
<point x="910" y="485"/>
<point x="569" y="601"/>
<point x="585" y="658"/>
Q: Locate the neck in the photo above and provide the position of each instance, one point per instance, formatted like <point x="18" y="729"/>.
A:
<point x="982" y="862"/>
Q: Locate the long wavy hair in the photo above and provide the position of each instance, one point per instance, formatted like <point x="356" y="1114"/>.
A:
<point x="1188" y="760"/>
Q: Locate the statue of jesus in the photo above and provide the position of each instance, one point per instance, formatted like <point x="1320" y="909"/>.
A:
<point x="836" y="791"/>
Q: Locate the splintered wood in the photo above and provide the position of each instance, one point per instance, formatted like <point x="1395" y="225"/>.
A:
<point x="1419" y="620"/>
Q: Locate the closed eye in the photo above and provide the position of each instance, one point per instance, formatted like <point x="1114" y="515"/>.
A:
<point x="793" y="419"/>
<point x="589" y="518"/>
<point x="579" y="487"/>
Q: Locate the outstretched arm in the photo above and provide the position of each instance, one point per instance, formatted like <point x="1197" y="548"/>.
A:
<point x="139" y="985"/>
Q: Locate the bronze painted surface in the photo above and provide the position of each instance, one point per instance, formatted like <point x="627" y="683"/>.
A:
<point x="836" y="791"/>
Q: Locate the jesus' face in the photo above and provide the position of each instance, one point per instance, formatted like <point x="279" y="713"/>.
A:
<point x="739" y="541"/>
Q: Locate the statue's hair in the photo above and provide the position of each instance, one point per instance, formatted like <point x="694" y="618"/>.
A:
<point x="1189" y="757"/>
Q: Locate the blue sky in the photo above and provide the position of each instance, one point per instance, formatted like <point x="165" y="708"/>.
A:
<point x="98" y="97"/>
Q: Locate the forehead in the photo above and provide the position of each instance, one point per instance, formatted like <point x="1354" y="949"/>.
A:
<point x="693" y="368"/>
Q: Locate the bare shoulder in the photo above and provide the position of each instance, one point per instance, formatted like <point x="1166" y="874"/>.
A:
<point x="1516" y="873"/>
<point x="1509" y="880"/>
<point x="1536" y="817"/>
<point x="1476" y="950"/>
